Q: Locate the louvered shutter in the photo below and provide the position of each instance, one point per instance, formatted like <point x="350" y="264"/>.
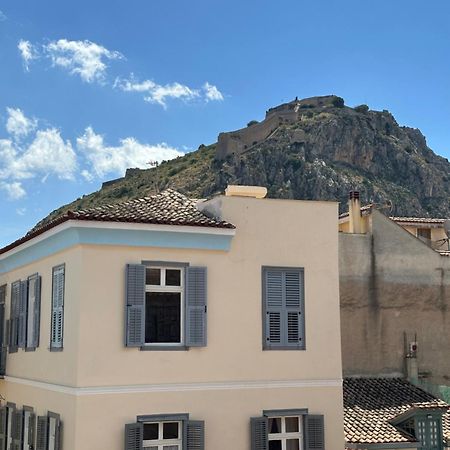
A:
<point x="16" y="430"/>
<point x="135" y="305"/>
<point x="196" y="304"/>
<point x="259" y="433"/>
<point x="34" y="284"/>
<point x="134" y="435"/>
<point x="31" y="431"/>
<point x="14" y="316"/>
<point x="314" y="432"/>
<point x="195" y="435"/>
<point x="293" y="283"/>
<point x="42" y="433"/>
<point x="283" y="308"/>
<point x="273" y="295"/>
<point x="3" y="333"/>
<point x="3" y="416"/>
<point x="57" y="325"/>
<point x="23" y="303"/>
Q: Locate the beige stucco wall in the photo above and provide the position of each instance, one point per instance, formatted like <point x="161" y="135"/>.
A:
<point x="43" y="365"/>
<point x="269" y="232"/>
<point x="392" y="283"/>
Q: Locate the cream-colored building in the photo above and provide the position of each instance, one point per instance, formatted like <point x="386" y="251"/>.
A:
<point x="166" y="324"/>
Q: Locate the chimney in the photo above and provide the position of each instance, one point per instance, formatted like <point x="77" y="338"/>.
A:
<point x="354" y="212"/>
<point x="245" y="191"/>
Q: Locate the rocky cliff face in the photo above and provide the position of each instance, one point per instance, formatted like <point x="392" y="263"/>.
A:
<point x="329" y="150"/>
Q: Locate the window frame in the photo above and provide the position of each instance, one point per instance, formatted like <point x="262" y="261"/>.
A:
<point x="164" y="265"/>
<point x="283" y="435"/>
<point x="161" y="443"/>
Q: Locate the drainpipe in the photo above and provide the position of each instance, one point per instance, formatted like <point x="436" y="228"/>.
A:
<point x="354" y="212"/>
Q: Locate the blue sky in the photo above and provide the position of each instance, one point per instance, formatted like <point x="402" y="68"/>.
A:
<point x="90" y="88"/>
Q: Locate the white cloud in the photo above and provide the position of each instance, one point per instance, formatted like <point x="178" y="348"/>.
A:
<point x="105" y="159"/>
<point x="157" y="93"/>
<point x="47" y="154"/>
<point x="14" y="190"/>
<point x="2" y="16"/>
<point x="21" y="211"/>
<point x="18" y="124"/>
<point x="212" y="93"/>
<point x="28" y="52"/>
<point x="84" y="58"/>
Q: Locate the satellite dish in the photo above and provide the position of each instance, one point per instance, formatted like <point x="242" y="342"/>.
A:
<point x="447" y="227"/>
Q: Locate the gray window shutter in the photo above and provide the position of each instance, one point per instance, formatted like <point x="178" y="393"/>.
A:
<point x="314" y="432"/>
<point x="31" y="431"/>
<point x="196" y="304"/>
<point x="195" y="435"/>
<point x="135" y="305"/>
<point x="16" y="429"/>
<point x="2" y="314"/>
<point x="3" y="332"/>
<point x="33" y="341"/>
<point x="134" y="435"/>
<point x="259" y="433"/>
<point x="3" y="419"/>
<point x="273" y="299"/>
<point x="283" y="302"/>
<point x="293" y="280"/>
<point x="14" y="316"/>
<point x="23" y="303"/>
<point x="57" y="324"/>
<point x="42" y="433"/>
<point x="58" y="431"/>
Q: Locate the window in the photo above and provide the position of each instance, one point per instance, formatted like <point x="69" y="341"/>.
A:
<point x="292" y="429"/>
<point x="164" y="298"/>
<point x="424" y="233"/>
<point x="48" y="432"/>
<point x="165" y="432"/>
<point x="57" y="319"/>
<point x="162" y="436"/>
<point x="165" y="306"/>
<point x="283" y="308"/>
<point x="25" y="314"/>
<point x="285" y="433"/>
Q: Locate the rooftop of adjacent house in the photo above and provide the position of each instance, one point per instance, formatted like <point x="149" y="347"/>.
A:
<point x="418" y="220"/>
<point x="371" y="406"/>
<point x="166" y="208"/>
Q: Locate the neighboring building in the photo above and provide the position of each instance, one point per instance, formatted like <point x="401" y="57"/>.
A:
<point x="166" y="324"/>
<point x="390" y="413"/>
<point x="395" y="299"/>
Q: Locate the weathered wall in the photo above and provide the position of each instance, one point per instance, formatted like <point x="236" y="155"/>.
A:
<point x="390" y="284"/>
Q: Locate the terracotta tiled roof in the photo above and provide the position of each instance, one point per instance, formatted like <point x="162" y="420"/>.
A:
<point x="417" y="220"/>
<point x="370" y="404"/>
<point x="166" y="208"/>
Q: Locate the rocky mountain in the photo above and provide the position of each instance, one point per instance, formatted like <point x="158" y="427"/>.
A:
<point x="314" y="148"/>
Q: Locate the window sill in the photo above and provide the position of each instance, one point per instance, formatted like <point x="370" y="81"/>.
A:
<point x="164" y="348"/>
<point x="284" y="348"/>
<point x="56" y="349"/>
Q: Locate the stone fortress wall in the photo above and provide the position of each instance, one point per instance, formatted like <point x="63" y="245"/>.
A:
<point x="238" y="142"/>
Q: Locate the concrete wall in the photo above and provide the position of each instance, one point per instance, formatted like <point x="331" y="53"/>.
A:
<point x="97" y="378"/>
<point x="391" y="284"/>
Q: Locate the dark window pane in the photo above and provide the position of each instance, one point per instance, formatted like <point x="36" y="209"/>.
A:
<point x="173" y="277"/>
<point x="274" y="445"/>
<point x="292" y="444"/>
<point x="291" y="424"/>
<point x="274" y="425"/>
<point x="150" y="431"/>
<point x="170" y="430"/>
<point x="153" y="276"/>
<point x="163" y="317"/>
